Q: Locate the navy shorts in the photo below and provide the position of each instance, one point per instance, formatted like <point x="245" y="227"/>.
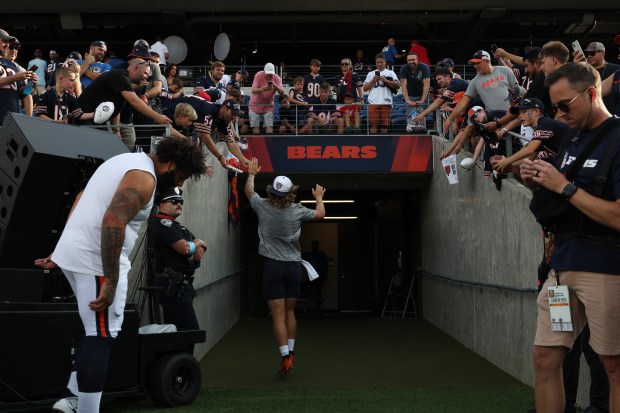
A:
<point x="281" y="279"/>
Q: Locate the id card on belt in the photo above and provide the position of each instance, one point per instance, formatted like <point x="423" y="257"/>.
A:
<point x="559" y="308"/>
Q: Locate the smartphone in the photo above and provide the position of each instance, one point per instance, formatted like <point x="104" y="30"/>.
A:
<point x="33" y="68"/>
<point x="377" y="73"/>
<point x="577" y="47"/>
<point x="270" y="85"/>
<point x="493" y="48"/>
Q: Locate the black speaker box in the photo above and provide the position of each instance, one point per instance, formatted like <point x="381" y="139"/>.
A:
<point x="38" y="340"/>
<point x="21" y="286"/>
<point x="40" y="154"/>
<point x="31" y="208"/>
<point x="19" y="247"/>
<point x="43" y="165"/>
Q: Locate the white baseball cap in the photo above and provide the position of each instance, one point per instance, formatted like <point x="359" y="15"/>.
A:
<point x="270" y="69"/>
<point x="281" y="186"/>
<point x="104" y="112"/>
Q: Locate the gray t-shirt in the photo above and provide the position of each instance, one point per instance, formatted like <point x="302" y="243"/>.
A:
<point x="493" y="88"/>
<point x="279" y="229"/>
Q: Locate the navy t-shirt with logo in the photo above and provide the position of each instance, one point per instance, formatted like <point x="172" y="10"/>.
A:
<point x="578" y="254"/>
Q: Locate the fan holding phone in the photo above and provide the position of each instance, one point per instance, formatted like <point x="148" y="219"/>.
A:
<point x="379" y="84"/>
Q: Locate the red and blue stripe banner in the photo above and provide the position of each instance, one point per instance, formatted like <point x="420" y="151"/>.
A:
<point x="341" y="153"/>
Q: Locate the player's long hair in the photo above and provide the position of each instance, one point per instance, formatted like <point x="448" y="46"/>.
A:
<point x="187" y="157"/>
<point x="282" y="201"/>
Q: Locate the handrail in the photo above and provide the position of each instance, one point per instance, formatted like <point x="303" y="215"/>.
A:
<point x="477" y="283"/>
<point x="219" y="280"/>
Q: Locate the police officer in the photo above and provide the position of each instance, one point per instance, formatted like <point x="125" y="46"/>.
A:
<point x="177" y="255"/>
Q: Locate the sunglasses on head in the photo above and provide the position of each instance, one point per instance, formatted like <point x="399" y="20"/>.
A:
<point x="175" y="201"/>
<point x="564" y="106"/>
<point x="99" y="43"/>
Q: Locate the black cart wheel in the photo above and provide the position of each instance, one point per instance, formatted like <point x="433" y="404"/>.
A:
<point x="173" y="380"/>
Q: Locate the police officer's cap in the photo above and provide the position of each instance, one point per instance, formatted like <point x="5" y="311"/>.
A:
<point x="170" y="194"/>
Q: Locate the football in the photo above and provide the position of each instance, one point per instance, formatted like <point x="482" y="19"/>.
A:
<point x="468" y="163"/>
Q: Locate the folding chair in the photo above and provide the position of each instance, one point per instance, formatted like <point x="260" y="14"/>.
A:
<point x="400" y="297"/>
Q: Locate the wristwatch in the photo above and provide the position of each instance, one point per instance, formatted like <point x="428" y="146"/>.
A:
<point x="568" y="191"/>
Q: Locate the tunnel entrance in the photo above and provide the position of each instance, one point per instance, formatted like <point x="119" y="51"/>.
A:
<point x="362" y="235"/>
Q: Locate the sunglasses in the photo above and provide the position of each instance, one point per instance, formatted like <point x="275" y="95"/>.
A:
<point x="592" y="53"/>
<point x="176" y="201"/>
<point x="15" y="47"/>
<point x="565" y="106"/>
<point x="344" y="64"/>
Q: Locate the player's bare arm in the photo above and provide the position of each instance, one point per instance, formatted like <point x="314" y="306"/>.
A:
<point x="131" y="196"/>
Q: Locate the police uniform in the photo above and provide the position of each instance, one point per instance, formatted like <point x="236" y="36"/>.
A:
<point x="174" y="272"/>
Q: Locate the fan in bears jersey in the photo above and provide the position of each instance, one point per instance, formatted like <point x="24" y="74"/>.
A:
<point x="312" y="82"/>
<point x="324" y="115"/>
<point x="58" y="104"/>
<point x="478" y="117"/>
<point x="350" y="82"/>
<point x="547" y="135"/>
<point x="12" y="77"/>
<point x="208" y="117"/>
<point x="212" y="81"/>
<point x="451" y="87"/>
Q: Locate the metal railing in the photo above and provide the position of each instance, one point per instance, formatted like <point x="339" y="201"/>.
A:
<point x="298" y="118"/>
<point x="330" y="72"/>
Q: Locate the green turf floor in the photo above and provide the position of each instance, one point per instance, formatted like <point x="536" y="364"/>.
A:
<point x="349" y="365"/>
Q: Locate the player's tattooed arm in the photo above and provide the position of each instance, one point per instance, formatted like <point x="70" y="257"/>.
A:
<point x="131" y="196"/>
<point x="125" y="204"/>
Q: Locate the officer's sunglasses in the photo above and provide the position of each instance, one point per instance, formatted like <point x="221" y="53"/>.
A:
<point x="176" y="201"/>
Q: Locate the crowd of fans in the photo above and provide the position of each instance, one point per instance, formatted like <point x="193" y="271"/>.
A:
<point x="400" y="92"/>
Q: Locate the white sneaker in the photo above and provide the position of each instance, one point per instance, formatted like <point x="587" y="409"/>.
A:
<point x="68" y="405"/>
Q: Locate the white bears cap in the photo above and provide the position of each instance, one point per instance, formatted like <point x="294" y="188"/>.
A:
<point x="281" y="186"/>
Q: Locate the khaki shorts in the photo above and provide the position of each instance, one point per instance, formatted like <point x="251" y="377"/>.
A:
<point x="595" y="300"/>
<point x="255" y="119"/>
<point x="379" y="114"/>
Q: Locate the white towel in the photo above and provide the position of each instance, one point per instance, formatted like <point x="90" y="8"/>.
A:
<point x="312" y="274"/>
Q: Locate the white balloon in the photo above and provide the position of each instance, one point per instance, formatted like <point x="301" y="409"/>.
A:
<point x="177" y="49"/>
<point x="221" y="46"/>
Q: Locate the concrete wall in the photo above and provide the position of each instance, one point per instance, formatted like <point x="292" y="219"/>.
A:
<point x="217" y="282"/>
<point x="472" y="232"/>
